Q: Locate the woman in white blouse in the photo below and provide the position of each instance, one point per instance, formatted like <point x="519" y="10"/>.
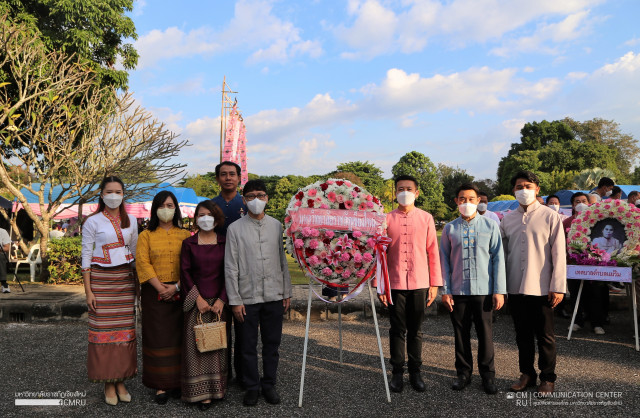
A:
<point x="109" y="238"/>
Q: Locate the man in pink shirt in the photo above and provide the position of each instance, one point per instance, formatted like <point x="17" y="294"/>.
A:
<point x="414" y="273"/>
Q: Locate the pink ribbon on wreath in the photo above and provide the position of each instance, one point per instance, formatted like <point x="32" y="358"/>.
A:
<point x="382" y="272"/>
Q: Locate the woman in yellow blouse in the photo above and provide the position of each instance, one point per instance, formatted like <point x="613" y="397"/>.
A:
<point x="158" y="266"/>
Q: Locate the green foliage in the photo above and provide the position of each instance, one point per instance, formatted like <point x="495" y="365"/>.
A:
<point x="451" y="178"/>
<point x="65" y="260"/>
<point x="420" y="166"/>
<point x="370" y="175"/>
<point x="203" y="184"/>
<point x="588" y="179"/>
<point x="503" y="197"/>
<point x="556" y="180"/>
<point x="488" y="186"/>
<point x="95" y="30"/>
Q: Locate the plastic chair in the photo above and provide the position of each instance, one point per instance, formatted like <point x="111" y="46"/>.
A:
<point x="33" y="259"/>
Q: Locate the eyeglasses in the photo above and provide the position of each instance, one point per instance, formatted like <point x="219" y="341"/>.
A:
<point x="261" y="196"/>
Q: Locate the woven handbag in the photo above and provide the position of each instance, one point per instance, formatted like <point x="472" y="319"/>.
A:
<point x="210" y="336"/>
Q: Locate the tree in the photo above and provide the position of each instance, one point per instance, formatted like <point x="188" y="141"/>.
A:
<point x="451" y="178"/>
<point x="421" y="167"/>
<point x="64" y="130"/>
<point x="95" y="30"/>
<point x="588" y="179"/>
<point x="203" y="184"/>
<point x="370" y="175"/>
<point x="503" y="197"/>
<point x="488" y="186"/>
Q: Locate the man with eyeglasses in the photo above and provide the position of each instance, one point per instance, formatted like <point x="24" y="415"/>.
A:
<point x="535" y="250"/>
<point x="259" y="289"/>
<point x="230" y="201"/>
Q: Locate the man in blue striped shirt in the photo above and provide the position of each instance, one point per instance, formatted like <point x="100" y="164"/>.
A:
<point x="475" y="283"/>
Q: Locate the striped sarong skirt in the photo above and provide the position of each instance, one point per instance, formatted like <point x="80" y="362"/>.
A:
<point x="112" y="352"/>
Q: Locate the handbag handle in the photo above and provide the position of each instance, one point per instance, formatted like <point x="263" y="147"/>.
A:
<point x="200" y="322"/>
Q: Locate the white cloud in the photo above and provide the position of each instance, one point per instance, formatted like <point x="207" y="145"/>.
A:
<point x="138" y="7"/>
<point x="378" y="27"/>
<point x="253" y="27"/>
<point x="191" y="86"/>
<point x="632" y="42"/>
<point x="627" y="64"/>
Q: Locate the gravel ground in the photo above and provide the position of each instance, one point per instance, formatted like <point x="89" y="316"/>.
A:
<point x="52" y="357"/>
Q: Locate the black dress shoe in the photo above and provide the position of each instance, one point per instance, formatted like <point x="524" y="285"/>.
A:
<point x="396" y="383"/>
<point x="250" y="397"/>
<point x="175" y="393"/>
<point x="416" y="382"/>
<point x="162" y="398"/>
<point x="271" y="396"/>
<point x="461" y="382"/>
<point x="489" y="386"/>
<point x="203" y="406"/>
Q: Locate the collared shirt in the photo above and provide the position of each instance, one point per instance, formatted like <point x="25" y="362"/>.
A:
<point x="255" y="264"/>
<point x="158" y="254"/>
<point x="472" y="257"/>
<point x="535" y="250"/>
<point x="233" y="210"/>
<point x="491" y="215"/>
<point x="413" y="259"/>
<point x="105" y="243"/>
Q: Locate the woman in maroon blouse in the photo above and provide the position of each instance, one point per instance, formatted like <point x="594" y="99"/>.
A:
<point x="204" y="375"/>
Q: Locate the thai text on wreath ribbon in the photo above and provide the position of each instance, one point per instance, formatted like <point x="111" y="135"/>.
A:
<point x="368" y="223"/>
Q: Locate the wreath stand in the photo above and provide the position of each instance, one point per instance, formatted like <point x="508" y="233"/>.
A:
<point x="306" y="341"/>
<point x="634" y="310"/>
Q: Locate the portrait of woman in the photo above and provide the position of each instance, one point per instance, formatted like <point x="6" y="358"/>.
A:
<point x="606" y="240"/>
<point x="204" y="375"/>
<point x="158" y="267"/>
<point x="109" y="238"/>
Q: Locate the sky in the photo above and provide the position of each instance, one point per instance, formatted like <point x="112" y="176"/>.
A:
<point x="323" y="82"/>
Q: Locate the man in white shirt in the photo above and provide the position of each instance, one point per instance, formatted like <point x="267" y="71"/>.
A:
<point x="604" y="189"/>
<point x="482" y="207"/>
<point x="56" y="232"/>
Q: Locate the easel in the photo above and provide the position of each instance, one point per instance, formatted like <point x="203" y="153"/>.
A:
<point x="306" y="341"/>
<point x="634" y="311"/>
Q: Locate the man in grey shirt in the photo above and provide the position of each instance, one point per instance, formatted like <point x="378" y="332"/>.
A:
<point x="259" y="290"/>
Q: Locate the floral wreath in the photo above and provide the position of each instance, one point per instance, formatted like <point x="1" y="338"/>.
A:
<point x="582" y="252"/>
<point x="339" y="256"/>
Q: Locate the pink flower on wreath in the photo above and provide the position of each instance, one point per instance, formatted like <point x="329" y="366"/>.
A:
<point x="345" y="242"/>
<point x="361" y="273"/>
<point x="330" y="181"/>
<point x="324" y="255"/>
<point x="629" y="214"/>
<point x="324" y="206"/>
<point x="314" y="260"/>
<point x="298" y="243"/>
<point x="348" y="183"/>
<point x="585" y="239"/>
<point x="357" y="257"/>
<point x="315" y="232"/>
<point x="313" y="244"/>
<point x="346" y="257"/>
<point x="340" y="198"/>
<point x="367" y="257"/>
<point x="329" y="233"/>
<point x="371" y="243"/>
<point x="298" y="203"/>
<point x="607" y="206"/>
<point x="346" y="274"/>
<point x="354" y="194"/>
<point x="327" y="271"/>
<point x="306" y="231"/>
<point x="339" y="269"/>
<point x="331" y="196"/>
<point x="621" y="209"/>
<point x="349" y="204"/>
<point x="334" y="258"/>
<point x="312" y="192"/>
<point x="600" y="216"/>
<point x="287" y="219"/>
<point x="357" y="234"/>
<point x="363" y="206"/>
<point x="369" y="198"/>
<point x="370" y="205"/>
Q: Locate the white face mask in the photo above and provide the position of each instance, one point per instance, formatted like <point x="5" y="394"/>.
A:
<point x="467" y="209"/>
<point x="406" y="198"/>
<point x="166" y="214"/>
<point x="580" y="207"/>
<point x="525" y="196"/>
<point x="112" y="200"/>
<point x="482" y="207"/>
<point x="554" y="208"/>
<point x="206" y="223"/>
<point x="256" y="206"/>
<point x="637" y="202"/>
<point x="609" y="193"/>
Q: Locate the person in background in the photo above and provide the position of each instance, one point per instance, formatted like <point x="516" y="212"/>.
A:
<point x="56" y="232"/>
<point x="535" y="250"/>
<point x="482" y="207"/>
<point x="553" y="203"/>
<point x="158" y="267"/>
<point x="204" y="375"/>
<point x="616" y="193"/>
<point x="228" y="176"/>
<point x="259" y="289"/>
<point x="634" y="198"/>
<point x="5" y="243"/>
<point x="604" y="189"/>
<point x="474" y="285"/>
<point x="414" y="277"/>
<point x="593" y="198"/>
<point x="109" y="239"/>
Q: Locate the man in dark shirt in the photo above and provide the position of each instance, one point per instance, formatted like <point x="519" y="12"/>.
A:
<point x="230" y="201"/>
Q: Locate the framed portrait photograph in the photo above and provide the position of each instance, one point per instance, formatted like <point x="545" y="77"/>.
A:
<point x="608" y="234"/>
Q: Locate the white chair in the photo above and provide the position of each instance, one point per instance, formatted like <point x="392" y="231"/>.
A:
<point x="33" y="259"/>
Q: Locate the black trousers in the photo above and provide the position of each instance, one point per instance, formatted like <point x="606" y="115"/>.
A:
<point x="533" y="319"/>
<point x="591" y="301"/>
<point x="476" y="309"/>
<point x="406" y="316"/>
<point x="268" y="317"/>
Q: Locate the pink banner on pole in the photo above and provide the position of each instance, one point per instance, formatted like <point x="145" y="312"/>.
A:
<point x="235" y="143"/>
<point x="338" y="220"/>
